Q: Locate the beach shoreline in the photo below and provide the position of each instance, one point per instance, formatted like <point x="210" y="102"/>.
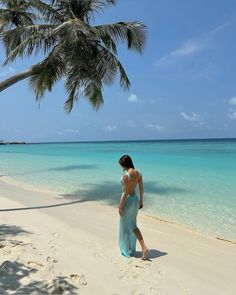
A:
<point x="72" y="246"/>
<point x="20" y="184"/>
<point x="171" y="172"/>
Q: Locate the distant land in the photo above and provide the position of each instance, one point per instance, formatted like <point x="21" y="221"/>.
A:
<point x="3" y="142"/>
<point x="139" y="140"/>
<point x="11" y="142"/>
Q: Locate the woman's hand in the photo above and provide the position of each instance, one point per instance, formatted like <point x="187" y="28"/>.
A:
<point x="121" y="211"/>
<point x="140" y="205"/>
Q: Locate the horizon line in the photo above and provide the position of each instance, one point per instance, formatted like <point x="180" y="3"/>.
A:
<point x="134" y="140"/>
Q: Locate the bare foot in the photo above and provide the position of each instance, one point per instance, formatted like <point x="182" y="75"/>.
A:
<point x="145" y="254"/>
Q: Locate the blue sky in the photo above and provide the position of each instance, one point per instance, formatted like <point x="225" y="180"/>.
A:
<point x="183" y="86"/>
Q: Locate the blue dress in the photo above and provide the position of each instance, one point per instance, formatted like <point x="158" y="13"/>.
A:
<point x="128" y="222"/>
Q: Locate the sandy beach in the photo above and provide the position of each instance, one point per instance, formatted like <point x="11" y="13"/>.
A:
<point x="54" y="244"/>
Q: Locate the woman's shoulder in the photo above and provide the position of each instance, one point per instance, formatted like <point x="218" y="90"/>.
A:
<point x="138" y="170"/>
<point x="125" y="175"/>
<point x="128" y="175"/>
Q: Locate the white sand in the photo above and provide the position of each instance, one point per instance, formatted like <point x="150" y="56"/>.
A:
<point x="73" y="249"/>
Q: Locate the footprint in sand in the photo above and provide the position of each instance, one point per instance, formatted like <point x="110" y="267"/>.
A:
<point x="35" y="264"/>
<point x="127" y="276"/>
<point x="52" y="244"/>
<point x="158" y="274"/>
<point x="132" y="270"/>
<point x="53" y="260"/>
<point x="185" y="290"/>
<point x="96" y="249"/>
<point x="155" y="291"/>
<point x="60" y="286"/>
<point x="79" y="279"/>
<point x="19" y="243"/>
<point x="56" y="234"/>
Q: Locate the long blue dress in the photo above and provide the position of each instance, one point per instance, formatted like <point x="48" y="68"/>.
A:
<point x="128" y="222"/>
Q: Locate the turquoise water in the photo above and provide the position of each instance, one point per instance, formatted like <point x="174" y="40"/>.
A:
<point x="190" y="182"/>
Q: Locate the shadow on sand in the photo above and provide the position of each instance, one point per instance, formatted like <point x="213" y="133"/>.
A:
<point x="12" y="272"/>
<point x="152" y="254"/>
<point x="110" y="192"/>
<point x="40" y="207"/>
<point x="56" y="169"/>
<point x="8" y="231"/>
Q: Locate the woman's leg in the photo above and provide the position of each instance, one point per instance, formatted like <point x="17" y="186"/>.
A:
<point x="141" y="241"/>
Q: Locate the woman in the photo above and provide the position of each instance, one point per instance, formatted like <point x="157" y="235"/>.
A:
<point x="128" y="209"/>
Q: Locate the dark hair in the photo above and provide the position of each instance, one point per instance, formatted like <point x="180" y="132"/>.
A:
<point x="126" y="161"/>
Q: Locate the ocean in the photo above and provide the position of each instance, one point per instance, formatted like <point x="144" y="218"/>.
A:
<point x="188" y="182"/>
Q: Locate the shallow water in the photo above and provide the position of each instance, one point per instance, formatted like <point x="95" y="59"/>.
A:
<point x="191" y="182"/>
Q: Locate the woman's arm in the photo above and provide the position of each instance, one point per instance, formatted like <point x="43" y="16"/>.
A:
<point x="124" y="195"/>
<point x="140" y="183"/>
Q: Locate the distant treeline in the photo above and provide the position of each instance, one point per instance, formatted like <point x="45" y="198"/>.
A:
<point x="11" y="142"/>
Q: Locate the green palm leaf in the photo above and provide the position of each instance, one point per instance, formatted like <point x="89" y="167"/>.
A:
<point x="33" y="38"/>
<point x="84" y="56"/>
<point x="47" y="72"/>
<point x="130" y="33"/>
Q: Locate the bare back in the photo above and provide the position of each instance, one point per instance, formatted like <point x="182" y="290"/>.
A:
<point x="134" y="178"/>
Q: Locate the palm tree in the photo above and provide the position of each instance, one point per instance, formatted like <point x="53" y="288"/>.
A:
<point x="17" y="13"/>
<point x="84" y="56"/>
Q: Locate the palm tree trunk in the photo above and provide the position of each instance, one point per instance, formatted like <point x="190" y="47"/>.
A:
<point x="16" y="78"/>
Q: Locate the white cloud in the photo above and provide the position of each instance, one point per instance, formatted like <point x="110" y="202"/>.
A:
<point x="193" y="45"/>
<point x="67" y="131"/>
<point x="154" y="126"/>
<point x="133" y="98"/>
<point x="232" y="111"/>
<point x="232" y="101"/>
<point x="71" y="130"/>
<point x="232" y="115"/>
<point x="189" y="47"/>
<point x="7" y="71"/>
<point x="221" y="27"/>
<point x="110" y="128"/>
<point x="192" y="117"/>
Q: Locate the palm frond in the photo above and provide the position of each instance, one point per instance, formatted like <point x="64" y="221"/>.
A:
<point x="108" y="42"/>
<point x="93" y="92"/>
<point x="81" y="9"/>
<point x="124" y="80"/>
<point x="73" y="95"/>
<point x="47" y="72"/>
<point x="77" y="39"/>
<point x="131" y="33"/>
<point x="23" y="41"/>
<point x="87" y="78"/>
<point x="73" y="86"/>
<point x="73" y="28"/>
<point x="85" y="55"/>
<point x="83" y="81"/>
